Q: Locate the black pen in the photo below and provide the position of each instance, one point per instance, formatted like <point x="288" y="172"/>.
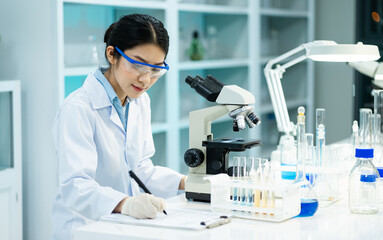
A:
<point x="141" y="184"/>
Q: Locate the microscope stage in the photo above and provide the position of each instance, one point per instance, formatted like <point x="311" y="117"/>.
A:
<point x="233" y="144"/>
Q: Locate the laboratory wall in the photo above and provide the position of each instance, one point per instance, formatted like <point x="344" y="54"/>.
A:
<point x="28" y="53"/>
<point x="335" y="20"/>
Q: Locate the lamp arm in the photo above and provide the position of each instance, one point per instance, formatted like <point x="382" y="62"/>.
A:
<point x="273" y="79"/>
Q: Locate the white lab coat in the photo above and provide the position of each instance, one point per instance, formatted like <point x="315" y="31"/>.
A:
<point x="95" y="154"/>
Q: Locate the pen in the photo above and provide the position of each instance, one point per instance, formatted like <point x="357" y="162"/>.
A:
<point x="217" y="222"/>
<point x="142" y="185"/>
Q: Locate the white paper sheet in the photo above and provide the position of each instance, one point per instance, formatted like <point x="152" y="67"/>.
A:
<point x="176" y="218"/>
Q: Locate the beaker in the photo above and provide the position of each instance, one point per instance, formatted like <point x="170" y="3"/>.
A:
<point x="288" y="157"/>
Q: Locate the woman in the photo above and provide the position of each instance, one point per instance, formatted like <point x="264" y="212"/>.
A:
<point x="103" y="130"/>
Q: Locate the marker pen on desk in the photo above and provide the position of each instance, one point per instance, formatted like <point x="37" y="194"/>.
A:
<point x="142" y="185"/>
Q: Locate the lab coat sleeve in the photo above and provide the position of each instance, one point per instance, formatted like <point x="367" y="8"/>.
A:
<point x="73" y="134"/>
<point x="161" y="181"/>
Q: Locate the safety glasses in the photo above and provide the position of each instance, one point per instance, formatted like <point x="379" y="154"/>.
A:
<point x="140" y="68"/>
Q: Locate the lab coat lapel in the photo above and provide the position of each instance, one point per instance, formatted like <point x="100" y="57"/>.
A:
<point x="115" y="118"/>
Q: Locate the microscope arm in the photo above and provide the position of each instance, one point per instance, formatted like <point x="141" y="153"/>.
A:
<point x="200" y="128"/>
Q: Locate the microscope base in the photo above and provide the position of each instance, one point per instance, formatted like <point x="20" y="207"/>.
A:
<point x="199" y="197"/>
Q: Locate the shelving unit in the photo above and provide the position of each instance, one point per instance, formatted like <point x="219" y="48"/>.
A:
<point x="250" y="33"/>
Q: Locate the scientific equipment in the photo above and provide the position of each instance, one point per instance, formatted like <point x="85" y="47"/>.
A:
<point x="363" y="185"/>
<point x="196" y="51"/>
<point x="283" y="202"/>
<point x="309" y="200"/>
<point x="207" y="156"/>
<point x="365" y="129"/>
<point x="322" y="187"/>
<point x="355" y="134"/>
<point x="328" y="51"/>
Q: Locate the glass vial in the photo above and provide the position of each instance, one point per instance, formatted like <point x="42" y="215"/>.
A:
<point x="363" y="184"/>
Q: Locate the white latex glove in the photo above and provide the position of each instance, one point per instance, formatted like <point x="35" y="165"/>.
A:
<point x="143" y="206"/>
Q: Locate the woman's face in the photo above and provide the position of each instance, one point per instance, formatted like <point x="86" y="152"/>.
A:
<point x="129" y="82"/>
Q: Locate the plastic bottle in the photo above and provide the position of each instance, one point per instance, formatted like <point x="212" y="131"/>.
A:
<point x="363" y="185"/>
<point x="196" y="51"/>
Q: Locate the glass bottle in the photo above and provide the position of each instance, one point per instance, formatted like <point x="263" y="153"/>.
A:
<point x="309" y="200"/>
<point x="93" y="50"/>
<point x="212" y="42"/>
<point x="196" y="51"/>
<point x="363" y="184"/>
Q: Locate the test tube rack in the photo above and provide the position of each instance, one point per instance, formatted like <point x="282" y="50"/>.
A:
<point x="284" y="204"/>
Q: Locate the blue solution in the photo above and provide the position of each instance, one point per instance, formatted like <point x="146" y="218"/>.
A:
<point x="308" y="207"/>
<point x="287" y="174"/>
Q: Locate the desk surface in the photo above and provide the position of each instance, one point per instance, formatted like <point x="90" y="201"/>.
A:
<point x="334" y="222"/>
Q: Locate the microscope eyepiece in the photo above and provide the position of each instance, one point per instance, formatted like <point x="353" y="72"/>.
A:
<point x="208" y="87"/>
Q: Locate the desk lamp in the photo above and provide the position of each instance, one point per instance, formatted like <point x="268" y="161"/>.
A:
<point x="327" y="51"/>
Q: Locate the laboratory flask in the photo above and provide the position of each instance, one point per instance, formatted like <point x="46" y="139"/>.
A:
<point x="363" y="184"/>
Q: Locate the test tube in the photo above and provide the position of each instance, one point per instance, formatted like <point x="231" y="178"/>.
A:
<point x="272" y="183"/>
<point x="257" y="192"/>
<point x="243" y="177"/>
<point x="251" y="177"/>
<point x="310" y="174"/>
<point x="264" y="182"/>
<point x="236" y="171"/>
<point x="320" y="137"/>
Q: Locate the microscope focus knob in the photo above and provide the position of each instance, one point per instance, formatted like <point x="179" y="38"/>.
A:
<point x="193" y="157"/>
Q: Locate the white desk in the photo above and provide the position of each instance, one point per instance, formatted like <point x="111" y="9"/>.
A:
<point x="334" y="222"/>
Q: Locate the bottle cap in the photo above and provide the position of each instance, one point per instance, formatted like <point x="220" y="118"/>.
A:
<point x="380" y="170"/>
<point x="364" y="152"/>
<point x="367" y="178"/>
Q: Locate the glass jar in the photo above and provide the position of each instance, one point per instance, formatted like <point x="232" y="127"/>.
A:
<point x="363" y="185"/>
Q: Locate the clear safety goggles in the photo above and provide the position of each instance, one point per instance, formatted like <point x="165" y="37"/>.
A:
<point x="140" y="68"/>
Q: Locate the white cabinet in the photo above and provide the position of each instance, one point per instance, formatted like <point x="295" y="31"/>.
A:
<point x="10" y="161"/>
<point x="249" y="32"/>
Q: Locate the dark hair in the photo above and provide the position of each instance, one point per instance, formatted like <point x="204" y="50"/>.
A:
<point x="135" y="29"/>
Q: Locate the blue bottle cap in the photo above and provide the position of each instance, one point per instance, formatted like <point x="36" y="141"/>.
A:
<point x="364" y="152"/>
<point x="380" y="170"/>
<point x="367" y="178"/>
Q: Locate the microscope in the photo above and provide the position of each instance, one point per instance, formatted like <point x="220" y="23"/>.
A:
<point x="207" y="156"/>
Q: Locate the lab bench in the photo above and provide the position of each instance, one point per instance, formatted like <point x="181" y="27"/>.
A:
<point x="332" y="222"/>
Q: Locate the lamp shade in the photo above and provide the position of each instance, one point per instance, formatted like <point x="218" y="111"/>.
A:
<point x="330" y="51"/>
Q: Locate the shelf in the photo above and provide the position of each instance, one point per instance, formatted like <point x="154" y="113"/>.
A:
<point x="213" y="9"/>
<point x="268" y="108"/>
<point x="159" y="127"/>
<point x="209" y="64"/>
<point x="122" y="3"/>
<point x="283" y="13"/>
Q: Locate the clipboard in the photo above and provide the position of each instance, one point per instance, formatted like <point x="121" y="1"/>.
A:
<point x="177" y="218"/>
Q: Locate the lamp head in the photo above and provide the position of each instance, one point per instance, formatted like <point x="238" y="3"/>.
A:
<point x="330" y="51"/>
